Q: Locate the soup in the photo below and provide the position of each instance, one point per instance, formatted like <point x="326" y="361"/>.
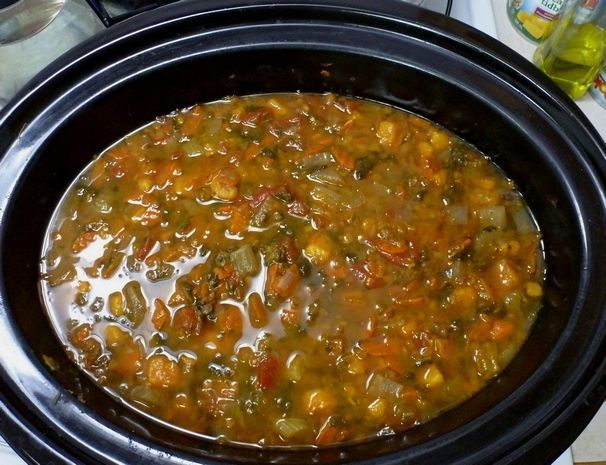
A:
<point x="292" y="269"/>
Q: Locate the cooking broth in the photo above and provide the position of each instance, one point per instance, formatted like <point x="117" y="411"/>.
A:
<point x="292" y="269"/>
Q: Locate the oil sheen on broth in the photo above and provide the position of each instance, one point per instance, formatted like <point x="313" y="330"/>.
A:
<point x="292" y="269"/>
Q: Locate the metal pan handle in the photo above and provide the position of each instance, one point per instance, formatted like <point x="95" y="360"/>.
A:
<point x="108" y="20"/>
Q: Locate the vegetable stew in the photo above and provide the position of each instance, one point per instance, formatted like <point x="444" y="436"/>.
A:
<point x="292" y="269"/>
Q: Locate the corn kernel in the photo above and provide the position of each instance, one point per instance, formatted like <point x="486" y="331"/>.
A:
<point x="369" y="226"/>
<point x="355" y="367"/>
<point x="145" y="184"/>
<point x="319" y="249"/>
<point x="377" y="408"/>
<point x="319" y="401"/>
<point x="425" y="149"/>
<point x="485" y="183"/>
<point x="116" y="304"/>
<point x="439" y="140"/>
<point x="533" y="289"/>
<point x="386" y="132"/>
<point x="223" y="191"/>
<point x="278" y="108"/>
<point x="182" y="185"/>
<point x="114" y="336"/>
<point x="439" y="178"/>
<point x="430" y="376"/>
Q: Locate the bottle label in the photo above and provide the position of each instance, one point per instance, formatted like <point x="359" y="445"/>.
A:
<point x="534" y="18"/>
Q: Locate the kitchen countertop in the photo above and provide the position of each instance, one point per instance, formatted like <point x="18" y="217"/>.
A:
<point x="590" y="447"/>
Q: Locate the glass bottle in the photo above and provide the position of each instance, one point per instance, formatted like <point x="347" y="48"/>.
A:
<point x="575" y="51"/>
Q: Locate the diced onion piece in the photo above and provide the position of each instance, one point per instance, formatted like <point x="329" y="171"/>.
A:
<point x="327" y="175"/>
<point x="146" y="395"/>
<point x="315" y="161"/>
<point x="192" y="148"/>
<point x="291" y="427"/>
<point x="458" y="214"/>
<point x="325" y="196"/>
<point x="136" y="305"/>
<point x="245" y="261"/>
<point x="523" y="221"/>
<point x="295" y="367"/>
<point x="213" y="125"/>
<point x="380" y="386"/>
<point x="485" y="358"/>
<point x="353" y="200"/>
<point x="493" y="217"/>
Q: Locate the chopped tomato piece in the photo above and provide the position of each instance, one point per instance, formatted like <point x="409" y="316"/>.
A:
<point x="267" y="371"/>
<point x="187" y="321"/>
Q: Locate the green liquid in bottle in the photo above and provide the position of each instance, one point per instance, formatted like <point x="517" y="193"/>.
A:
<point x="573" y="63"/>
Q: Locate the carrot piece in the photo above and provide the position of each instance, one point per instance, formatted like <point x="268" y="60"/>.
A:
<point x="240" y="217"/>
<point x="252" y="118"/>
<point x="119" y="152"/>
<point x="145" y="249"/>
<point x="282" y="281"/>
<point x="225" y="272"/>
<point x="257" y="313"/>
<point x="330" y="434"/>
<point x="286" y="284"/>
<point x="252" y="151"/>
<point x="273" y="273"/>
<point x="343" y="158"/>
<point x="369" y="279"/>
<point x="83" y="241"/>
<point x="390" y="247"/>
<point x="480" y="331"/>
<point x="290" y="249"/>
<point x="192" y="121"/>
<point x="229" y="318"/>
<point x="228" y="176"/>
<point x="501" y="330"/>
<point x="396" y="252"/>
<point x="160" y="315"/>
<point x="290" y="317"/>
<point x="378" y="346"/>
<point x="187" y="321"/>
<point x="80" y="333"/>
<point x="395" y="364"/>
<point x="167" y="171"/>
